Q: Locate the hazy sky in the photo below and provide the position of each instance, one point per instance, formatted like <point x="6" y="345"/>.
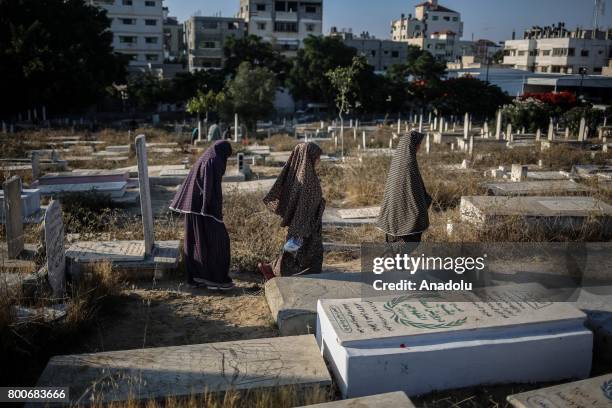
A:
<point x="491" y="19"/>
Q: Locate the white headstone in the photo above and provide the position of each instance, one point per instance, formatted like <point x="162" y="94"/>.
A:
<point x="466" y="127"/>
<point x="471" y="146"/>
<point x="519" y="172"/>
<point x="582" y="129"/>
<point x="538" y="135"/>
<point x="509" y="136"/>
<point x="498" y="125"/>
<point x="35" y="166"/>
<point x="428" y="143"/>
<point x="236" y="127"/>
<point x="421" y="123"/>
<point x="54" y="242"/>
<point x="145" y="194"/>
<point x="551" y="130"/>
<point x="363" y="139"/>
<point x="486" y="128"/>
<point x="13" y="217"/>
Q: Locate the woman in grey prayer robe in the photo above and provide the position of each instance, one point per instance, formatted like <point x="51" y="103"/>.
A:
<point x="404" y="213"/>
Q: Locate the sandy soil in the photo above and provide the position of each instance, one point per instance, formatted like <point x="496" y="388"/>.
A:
<point x="171" y="314"/>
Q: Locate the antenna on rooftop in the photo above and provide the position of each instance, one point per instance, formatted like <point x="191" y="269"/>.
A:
<point x="600" y="11"/>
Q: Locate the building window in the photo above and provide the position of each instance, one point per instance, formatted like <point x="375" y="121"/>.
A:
<point x="150" y="22"/>
<point x="373" y="53"/>
<point x="292" y="6"/>
<point x="233" y="25"/>
<point x="455" y="18"/>
<point x="127" y="21"/>
<point x="209" y="44"/>
<point x="310" y="27"/>
<point x="132" y="57"/>
<point x="149" y="3"/>
<point x="446" y="18"/>
<point x="522" y="53"/>
<point x="151" y="40"/>
<point x="563" y="52"/>
<point x="435" y="18"/>
<point x="127" y="2"/>
<point x="310" y="8"/>
<point x="285" y="27"/>
<point x="261" y="7"/>
<point x="152" y="57"/>
<point x="584" y="53"/>
<point x="571" y="52"/>
<point x="209" y="25"/>
<point x="417" y="27"/>
<point x="125" y="39"/>
<point x="546" y="53"/>
<point x="395" y="54"/>
<point x="280" y="6"/>
<point x="261" y="26"/>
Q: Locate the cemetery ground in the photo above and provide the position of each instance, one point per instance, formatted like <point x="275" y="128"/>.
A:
<point x="109" y="310"/>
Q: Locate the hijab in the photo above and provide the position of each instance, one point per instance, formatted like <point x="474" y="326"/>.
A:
<point x="201" y="192"/>
<point x="406" y="202"/>
<point x="296" y="196"/>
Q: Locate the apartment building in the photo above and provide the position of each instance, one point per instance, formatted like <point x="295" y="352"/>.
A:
<point x="205" y="38"/>
<point x="173" y="38"/>
<point x="381" y="54"/>
<point x="433" y="28"/>
<point x="137" y="27"/>
<point x="284" y="23"/>
<point x="554" y="49"/>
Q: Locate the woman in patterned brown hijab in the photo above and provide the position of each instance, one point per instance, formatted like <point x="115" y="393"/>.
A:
<point x="297" y="198"/>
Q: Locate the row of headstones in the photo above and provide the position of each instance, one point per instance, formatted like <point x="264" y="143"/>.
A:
<point x="54" y="227"/>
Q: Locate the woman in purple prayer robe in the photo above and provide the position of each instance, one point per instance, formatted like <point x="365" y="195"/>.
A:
<point x="206" y="249"/>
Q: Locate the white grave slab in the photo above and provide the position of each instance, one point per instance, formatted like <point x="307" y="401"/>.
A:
<point x="114" y="251"/>
<point x="13" y="216"/>
<point x="255" y="186"/>
<point x="592" y="393"/>
<point x="332" y="217"/>
<point x="145" y="194"/>
<point x="563" y="211"/>
<point x="389" y="400"/>
<point x="114" y="190"/>
<point x="421" y="344"/>
<point x="182" y="371"/>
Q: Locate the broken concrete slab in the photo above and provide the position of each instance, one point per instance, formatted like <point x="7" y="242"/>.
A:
<point x="183" y="371"/>
<point x="389" y="400"/>
<point x="84" y="177"/>
<point x="30" y="203"/>
<point x="547" y="187"/>
<point x="254" y="186"/>
<point x="332" y="217"/>
<point x="560" y="212"/>
<point x="113" y="251"/>
<point x="357" y="213"/>
<point x="293" y="300"/>
<point x="592" y="393"/>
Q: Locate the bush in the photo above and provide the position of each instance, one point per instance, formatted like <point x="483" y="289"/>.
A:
<point x="531" y="114"/>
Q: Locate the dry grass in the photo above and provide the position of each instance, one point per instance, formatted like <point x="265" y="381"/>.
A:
<point x="279" y="397"/>
<point x="280" y="143"/>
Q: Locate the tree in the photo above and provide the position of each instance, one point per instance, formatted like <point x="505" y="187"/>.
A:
<point x="203" y="104"/>
<point x="307" y="79"/>
<point x="56" y="53"/>
<point x="344" y="82"/>
<point x="427" y="68"/>
<point x="460" y="95"/>
<point x="186" y="85"/>
<point x="531" y="114"/>
<point x="145" y="90"/>
<point x="251" y="94"/>
<point x="257" y="52"/>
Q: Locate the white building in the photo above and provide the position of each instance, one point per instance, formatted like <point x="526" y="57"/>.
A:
<point x="433" y="28"/>
<point x="283" y="23"/>
<point x="554" y="49"/>
<point x="138" y="31"/>
<point x="205" y="38"/>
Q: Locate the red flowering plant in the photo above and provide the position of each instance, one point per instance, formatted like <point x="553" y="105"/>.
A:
<point x="559" y="102"/>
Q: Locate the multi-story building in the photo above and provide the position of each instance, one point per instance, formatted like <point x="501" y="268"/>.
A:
<point x="433" y="28"/>
<point x="283" y="23"/>
<point x="205" y="38"/>
<point x="173" y="38"/>
<point x="381" y="54"/>
<point x="554" y="49"/>
<point x="137" y="27"/>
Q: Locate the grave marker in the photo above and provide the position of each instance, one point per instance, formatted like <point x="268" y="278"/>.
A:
<point x="581" y="129"/>
<point x="567" y="133"/>
<point x="54" y="242"/>
<point x="389" y="400"/>
<point x="13" y="217"/>
<point x="592" y="393"/>
<point x="418" y="344"/>
<point x="183" y="371"/>
<point x="145" y="194"/>
<point x="551" y="131"/>
<point x="518" y="172"/>
<point x="538" y="135"/>
<point x="509" y="132"/>
<point x="466" y="127"/>
<point x="421" y="123"/>
<point x="498" y="125"/>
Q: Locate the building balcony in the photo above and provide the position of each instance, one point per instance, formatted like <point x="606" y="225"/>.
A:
<point x="286" y="16"/>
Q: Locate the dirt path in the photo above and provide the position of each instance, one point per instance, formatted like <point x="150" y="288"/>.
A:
<point x="172" y="314"/>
